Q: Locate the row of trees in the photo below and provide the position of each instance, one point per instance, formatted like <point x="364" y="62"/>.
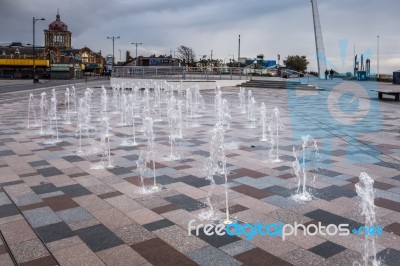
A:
<point x="294" y="62"/>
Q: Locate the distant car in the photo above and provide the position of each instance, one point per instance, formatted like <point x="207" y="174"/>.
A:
<point x="348" y="74"/>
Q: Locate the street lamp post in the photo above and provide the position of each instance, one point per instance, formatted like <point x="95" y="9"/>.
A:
<point x="240" y="72"/>
<point x="136" y="44"/>
<point x="33" y="47"/>
<point x="377" y="69"/>
<point x="72" y="56"/>
<point x="49" y="54"/>
<point x="113" y="38"/>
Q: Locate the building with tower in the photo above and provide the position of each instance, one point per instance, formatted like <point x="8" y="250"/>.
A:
<point x="57" y="35"/>
<point x="57" y="59"/>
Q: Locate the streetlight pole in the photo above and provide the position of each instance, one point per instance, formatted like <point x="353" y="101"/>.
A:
<point x="113" y="38"/>
<point x="377" y="70"/>
<point x="136" y="44"/>
<point x="33" y="47"/>
<point x="240" y="72"/>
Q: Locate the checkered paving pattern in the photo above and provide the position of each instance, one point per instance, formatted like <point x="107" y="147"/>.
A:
<point x="55" y="209"/>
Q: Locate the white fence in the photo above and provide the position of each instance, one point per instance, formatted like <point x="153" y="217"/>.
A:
<point x="181" y="73"/>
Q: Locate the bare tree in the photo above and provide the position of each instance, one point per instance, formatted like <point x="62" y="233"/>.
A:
<point x="186" y="54"/>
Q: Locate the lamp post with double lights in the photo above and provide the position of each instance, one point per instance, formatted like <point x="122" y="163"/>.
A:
<point x="377" y="69"/>
<point x="113" y="39"/>
<point x="136" y="44"/>
<point x="33" y="48"/>
<point x="240" y="72"/>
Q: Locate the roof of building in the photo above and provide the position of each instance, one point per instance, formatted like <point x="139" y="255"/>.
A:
<point x="58" y="24"/>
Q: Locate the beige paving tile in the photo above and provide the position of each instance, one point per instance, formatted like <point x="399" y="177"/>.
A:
<point x="77" y="255"/>
<point x="144" y="216"/>
<point x="192" y="192"/>
<point x="124" y="203"/>
<point x="92" y="203"/>
<point x="61" y="180"/>
<point x="178" y="238"/>
<point x="112" y="218"/>
<point x="254" y="204"/>
<point x="120" y="256"/>
<point x="28" y="250"/>
<point x="16" y="232"/>
<point x="6" y="260"/>
<point x="64" y="243"/>
<point x="273" y="245"/>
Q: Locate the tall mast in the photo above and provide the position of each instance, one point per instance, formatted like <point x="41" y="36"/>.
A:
<point x="319" y="43"/>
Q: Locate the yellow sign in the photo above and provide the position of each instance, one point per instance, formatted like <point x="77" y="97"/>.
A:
<point x="24" y="62"/>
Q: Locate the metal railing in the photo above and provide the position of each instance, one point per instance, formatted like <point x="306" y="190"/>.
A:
<point x="302" y="77"/>
<point x="180" y="73"/>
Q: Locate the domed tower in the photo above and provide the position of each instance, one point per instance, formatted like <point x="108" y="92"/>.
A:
<point x="58" y="35"/>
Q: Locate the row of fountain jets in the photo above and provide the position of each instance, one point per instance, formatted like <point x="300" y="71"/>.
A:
<point x="129" y="106"/>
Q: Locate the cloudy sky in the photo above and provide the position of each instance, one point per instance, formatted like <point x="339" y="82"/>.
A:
<point x="266" y="27"/>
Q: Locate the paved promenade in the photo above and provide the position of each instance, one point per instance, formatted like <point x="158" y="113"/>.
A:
<point x="56" y="209"/>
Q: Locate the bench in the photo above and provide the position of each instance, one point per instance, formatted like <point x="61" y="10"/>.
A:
<point x="395" y="93"/>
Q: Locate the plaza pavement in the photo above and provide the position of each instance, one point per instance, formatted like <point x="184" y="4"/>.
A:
<point x="55" y="209"/>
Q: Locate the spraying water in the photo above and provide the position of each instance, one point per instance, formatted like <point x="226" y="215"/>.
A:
<point x="32" y="110"/>
<point x="53" y="115"/>
<point x="173" y="121"/>
<point x="263" y="122"/>
<point x="105" y="139"/>
<point x="141" y="166"/>
<point x="307" y="158"/>
<point x="67" y="110"/>
<point x="252" y="113"/>
<point x="189" y="105"/>
<point x="73" y="98"/>
<point x="216" y="163"/>
<point x="365" y="190"/>
<point x="274" y="127"/>
<point x="242" y="100"/>
<point x="105" y="147"/>
<point x="43" y="110"/>
<point x="249" y="96"/>
<point x="151" y="148"/>
<point x="80" y="126"/>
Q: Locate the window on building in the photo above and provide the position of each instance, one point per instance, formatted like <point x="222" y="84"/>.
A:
<point x="58" y="39"/>
<point x="85" y="57"/>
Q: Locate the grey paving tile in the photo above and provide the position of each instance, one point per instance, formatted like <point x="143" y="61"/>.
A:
<point x="158" y="225"/>
<point x="327" y="249"/>
<point x="74" y="215"/>
<point x="75" y="190"/>
<point x="53" y="232"/>
<point x="281" y="202"/>
<point x="4" y="199"/>
<point x="8" y="210"/>
<point x="51" y="171"/>
<point x="254" y="182"/>
<point x="41" y="217"/>
<point x="210" y="255"/>
<point x="185" y="202"/>
<point x="27" y="199"/>
<point x="44" y="188"/>
<point x="99" y="237"/>
<point x="237" y="247"/>
<point x="39" y="163"/>
<point x="389" y="256"/>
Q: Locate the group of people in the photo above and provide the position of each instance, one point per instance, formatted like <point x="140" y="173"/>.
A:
<point x="330" y="73"/>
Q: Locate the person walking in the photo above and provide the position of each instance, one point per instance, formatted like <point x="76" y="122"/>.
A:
<point x="326" y="74"/>
<point x="331" y="73"/>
